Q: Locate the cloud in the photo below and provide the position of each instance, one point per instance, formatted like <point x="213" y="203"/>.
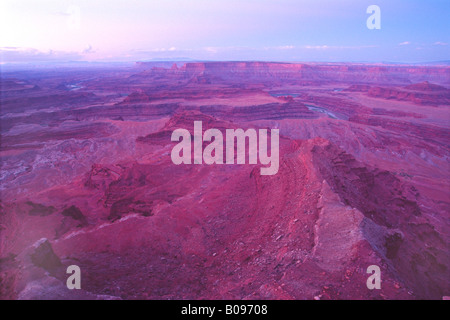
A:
<point x="16" y="55"/>
<point x="405" y="43"/>
<point x="439" y="43"/>
<point x="317" y="47"/>
<point x="211" y="49"/>
<point x="153" y="50"/>
<point x="326" y="47"/>
<point x="285" y="47"/>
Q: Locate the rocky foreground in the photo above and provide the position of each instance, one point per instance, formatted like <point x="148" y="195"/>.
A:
<point x="87" y="180"/>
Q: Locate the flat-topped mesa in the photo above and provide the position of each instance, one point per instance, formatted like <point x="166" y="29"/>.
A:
<point x="424" y="93"/>
<point x="239" y="71"/>
<point x="138" y="96"/>
<point x="269" y="111"/>
<point x="282" y="73"/>
<point x="344" y="72"/>
<point x="426" y="86"/>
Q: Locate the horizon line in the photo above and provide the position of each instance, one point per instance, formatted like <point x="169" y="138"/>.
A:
<point x="191" y="60"/>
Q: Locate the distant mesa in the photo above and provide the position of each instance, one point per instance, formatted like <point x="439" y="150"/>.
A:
<point x="423" y="93"/>
<point x="239" y="72"/>
<point x="426" y="86"/>
<point x="137" y="97"/>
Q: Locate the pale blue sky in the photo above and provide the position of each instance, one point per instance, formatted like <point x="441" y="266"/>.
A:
<point x="276" y="30"/>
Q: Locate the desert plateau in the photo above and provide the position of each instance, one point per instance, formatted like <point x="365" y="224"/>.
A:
<point x="87" y="179"/>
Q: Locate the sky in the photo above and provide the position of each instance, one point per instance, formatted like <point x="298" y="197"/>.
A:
<point x="269" y="30"/>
